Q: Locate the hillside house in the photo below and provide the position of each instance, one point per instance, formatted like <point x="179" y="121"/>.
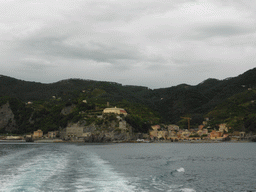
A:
<point x="185" y="134"/>
<point x="155" y="127"/>
<point x="215" y="134"/>
<point x="200" y="127"/>
<point x="162" y="135"/>
<point x="153" y="134"/>
<point x="173" y="128"/>
<point x="115" y="110"/>
<point x="223" y="127"/>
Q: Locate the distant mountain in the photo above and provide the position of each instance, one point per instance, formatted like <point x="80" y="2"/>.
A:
<point x="189" y="100"/>
<point x="171" y="103"/>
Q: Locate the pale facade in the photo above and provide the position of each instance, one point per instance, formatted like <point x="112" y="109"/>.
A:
<point x="38" y="133"/>
<point x="223" y="127"/>
<point x="155" y="127"/>
<point x="115" y="110"/>
<point x="173" y="128"/>
<point x="52" y="134"/>
<point x="162" y="134"/>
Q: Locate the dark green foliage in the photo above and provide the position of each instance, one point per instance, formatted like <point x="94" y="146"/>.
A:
<point x="138" y="124"/>
<point x="145" y="106"/>
<point x="238" y="111"/>
<point x="194" y="135"/>
<point x="110" y="117"/>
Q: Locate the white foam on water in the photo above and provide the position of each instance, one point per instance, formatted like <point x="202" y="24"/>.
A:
<point x="105" y="178"/>
<point x="181" y="169"/>
<point x="31" y="175"/>
<point x="161" y="185"/>
<point x="9" y="157"/>
<point x="188" y="190"/>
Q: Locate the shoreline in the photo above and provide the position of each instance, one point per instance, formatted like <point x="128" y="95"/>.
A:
<point x="118" y="142"/>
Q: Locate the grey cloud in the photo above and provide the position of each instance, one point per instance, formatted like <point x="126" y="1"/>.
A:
<point x="55" y="47"/>
<point x="220" y="30"/>
<point x="224" y="30"/>
<point x="134" y="41"/>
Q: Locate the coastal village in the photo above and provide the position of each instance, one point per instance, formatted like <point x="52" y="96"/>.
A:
<point x="78" y="132"/>
<point x="78" y="110"/>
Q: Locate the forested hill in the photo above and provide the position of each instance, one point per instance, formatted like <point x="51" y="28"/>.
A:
<point x="196" y="100"/>
<point x="171" y="103"/>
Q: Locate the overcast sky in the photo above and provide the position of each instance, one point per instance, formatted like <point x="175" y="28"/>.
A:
<point x="153" y="43"/>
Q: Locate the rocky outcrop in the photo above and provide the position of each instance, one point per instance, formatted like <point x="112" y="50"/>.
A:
<point x="7" y="121"/>
<point x="96" y="133"/>
<point x="105" y="137"/>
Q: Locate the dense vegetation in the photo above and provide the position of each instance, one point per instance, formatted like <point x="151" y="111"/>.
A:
<point x="145" y="106"/>
<point x="238" y="111"/>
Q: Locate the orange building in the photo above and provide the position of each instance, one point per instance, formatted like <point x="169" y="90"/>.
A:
<point x="38" y="133"/>
<point x="215" y="134"/>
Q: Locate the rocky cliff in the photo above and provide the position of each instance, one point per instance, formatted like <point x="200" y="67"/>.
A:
<point x="7" y="121"/>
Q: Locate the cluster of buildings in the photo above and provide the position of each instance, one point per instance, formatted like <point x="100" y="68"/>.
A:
<point x="172" y="132"/>
<point x="40" y="134"/>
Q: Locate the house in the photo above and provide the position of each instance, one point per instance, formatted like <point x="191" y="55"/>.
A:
<point x="52" y="134"/>
<point x="200" y="132"/>
<point x="215" y="134"/>
<point x="115" y="110"/>
<point x="162" y="135"/>
<point x="38" y="133"/>
<point x="223" y="127"/>
<point x="172" y="134"/>
<point x="155" y="127"/>
<point x="185" y="133"/>
<point x="205" y="131"/>
<point x="200" y="127"/>
<point x="153" y="134"/>
<point x="173" y="128"/>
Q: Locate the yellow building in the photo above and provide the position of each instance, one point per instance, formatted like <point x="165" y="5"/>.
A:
<point x="115" y="110"/>
<point x="155" y="127"/>
<point x="38" y="133"/>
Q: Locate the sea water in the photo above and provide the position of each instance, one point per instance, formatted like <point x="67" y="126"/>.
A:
<point x="128" y="167"/>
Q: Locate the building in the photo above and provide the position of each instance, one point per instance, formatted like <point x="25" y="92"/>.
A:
<point x="153" y="134"/>
<point x="74" y="131"/>
<point x="173" y="128"/>
<point x="215" y="134"/>
<point x="115" y="110"/>
<point x="38" y="133"/>
<point x="52" y="134"/>
<point x="162" y="135"/>
<point x="155" y="127"/>
<point x="200" y="127"/>
<point x="223" y="127"/>
<point x="186" y="133"/>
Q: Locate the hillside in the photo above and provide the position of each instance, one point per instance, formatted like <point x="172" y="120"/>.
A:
<point x="146" y="106"/>
<point x="238" y="111"/>
<point x="186" y="100"/>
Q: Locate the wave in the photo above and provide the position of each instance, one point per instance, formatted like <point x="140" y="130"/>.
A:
<point x="31" y="175"/>
<point x="181" y="169"/>
<point x="104" y="177"/>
